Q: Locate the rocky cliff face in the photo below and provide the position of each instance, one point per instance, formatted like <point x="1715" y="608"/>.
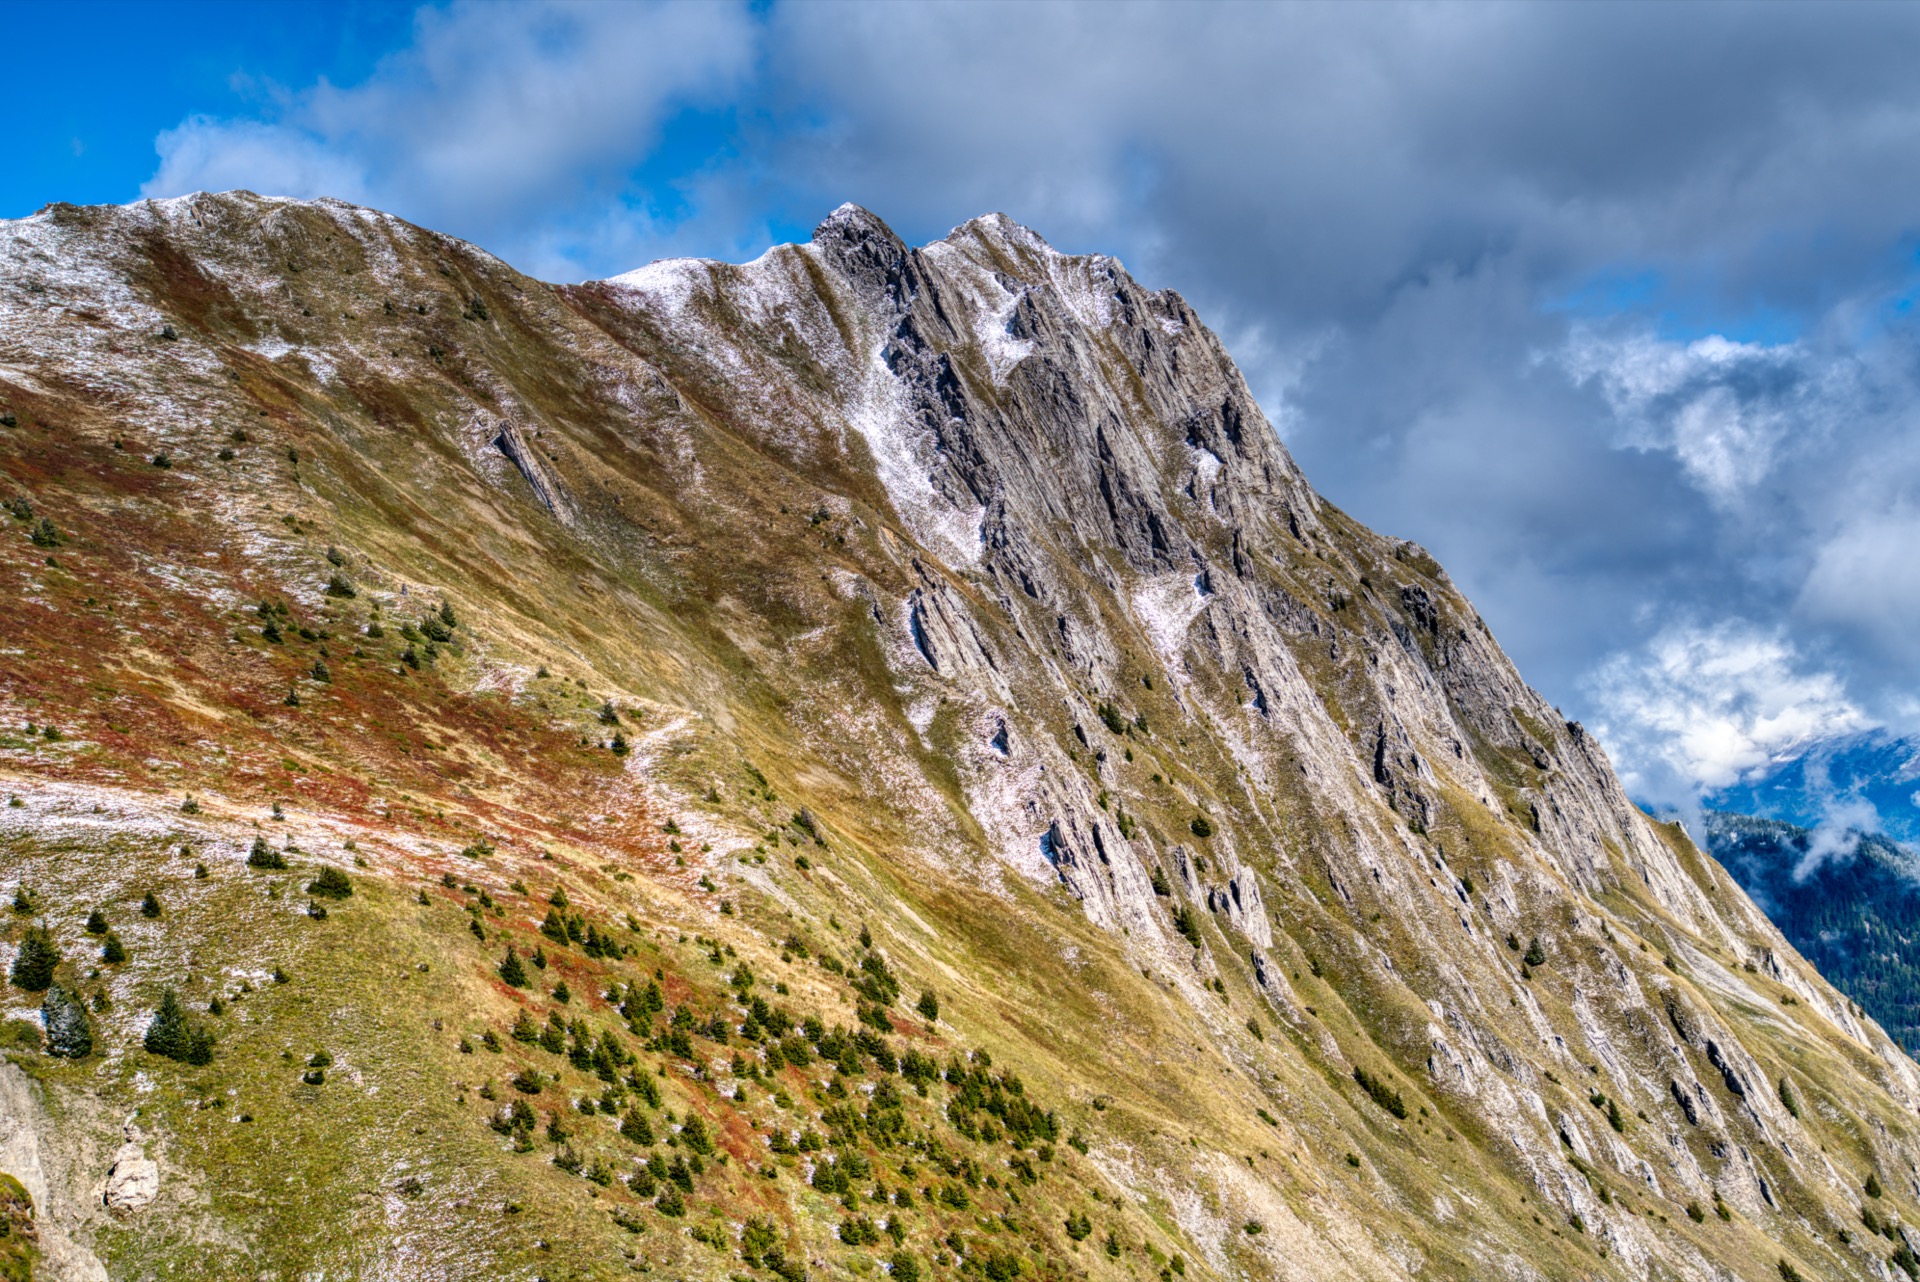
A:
<point x="961" y="591"/>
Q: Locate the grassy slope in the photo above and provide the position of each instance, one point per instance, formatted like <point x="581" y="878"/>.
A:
<point x="141" y="642"/>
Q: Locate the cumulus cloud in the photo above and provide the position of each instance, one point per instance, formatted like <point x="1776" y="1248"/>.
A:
<point x="501" y="121"/>
<point x="1701" y="708"/>
<point x="1723" y="408"/>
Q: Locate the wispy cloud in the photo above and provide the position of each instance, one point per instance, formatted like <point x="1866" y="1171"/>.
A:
<point x="507" y="121"/>
<point x="1702" y="708"/>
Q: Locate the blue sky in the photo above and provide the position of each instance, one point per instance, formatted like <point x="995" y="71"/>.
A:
<point x="1609" y="305"/>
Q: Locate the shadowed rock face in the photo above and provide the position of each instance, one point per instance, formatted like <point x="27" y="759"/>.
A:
<point x="1214" y="805"/>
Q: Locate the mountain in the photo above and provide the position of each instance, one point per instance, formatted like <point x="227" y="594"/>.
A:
<point x="1873" y="768"/>
<point x="872" y="761"/>
<point x="1849" y="901"/>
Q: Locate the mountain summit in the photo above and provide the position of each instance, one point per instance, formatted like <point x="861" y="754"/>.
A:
<point x="870" y="758"/>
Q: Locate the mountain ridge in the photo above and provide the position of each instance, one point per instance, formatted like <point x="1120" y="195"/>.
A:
<point x="963" y="592"/>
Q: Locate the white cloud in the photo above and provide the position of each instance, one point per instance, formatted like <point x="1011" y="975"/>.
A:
<point x="1837" y="835"/>
<point x="204" y="154"/>
<point x="496" y="119"/>
<point x="1722" y="408"/>
<point x="1702" y="708"/>
<point x="1866" y="577"/>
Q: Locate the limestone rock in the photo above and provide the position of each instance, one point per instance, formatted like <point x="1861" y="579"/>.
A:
<point x="133" y="1182"/>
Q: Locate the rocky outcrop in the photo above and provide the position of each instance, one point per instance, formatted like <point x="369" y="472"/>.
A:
<point x="30" y="1154"/>
<point x="133" y="1181"/>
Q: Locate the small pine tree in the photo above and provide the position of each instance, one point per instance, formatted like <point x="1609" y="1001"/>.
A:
<point x="69" y="1031"/>
<point x="1536" y="955"/>
<point x="149" y="906"/>
<point x="33" y="966"/>
<point x="512" y="971"/>
<point x="1184" y="922"/>
<point x="619" y="746"/>
<point x="169" y="1034"/>
<point x="1872" y="1186"/>
<point x="1788" y="1099"/>
<point x="264" y="856"/>
<point x="96" y="922"/>
<point x="1617" y="1122"/>
<point x="929" y="1005"/>
<point x="331" y="884"/>
<point x="113" y="952"/>
<point x="319" y="671"/>
<point x="636" y="1127"/>
<point x="694" y="1134"/>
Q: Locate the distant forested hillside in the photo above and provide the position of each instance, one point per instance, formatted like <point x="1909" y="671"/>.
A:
<point x="1854" y="912"/>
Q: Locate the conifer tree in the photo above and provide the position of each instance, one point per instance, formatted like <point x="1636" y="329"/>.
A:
<point x="33" y="966"/>
<point x="113" y="952"/>
<point x="331" y="883"/>
<point x="167" y="1031"/>
<point x="511" y="971"/>
<point x="96" y="922"/>
<point x="264" y="856"/>
<point x="149" y="906"/>
<point x="69" y="1031"/>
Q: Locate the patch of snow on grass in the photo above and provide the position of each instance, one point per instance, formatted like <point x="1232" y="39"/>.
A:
<point x="668" y="284"/>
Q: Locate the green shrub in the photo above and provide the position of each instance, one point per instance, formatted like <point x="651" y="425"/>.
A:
<point x="265" y="856"/>
<point x="1186" y="924"/>
<point x="1200" y="826"/>
<point x="331" y="884"/>
<point x="1382" y="1094"/>
<point x="20" y="1035"/>
<point x="757" y="1238"/>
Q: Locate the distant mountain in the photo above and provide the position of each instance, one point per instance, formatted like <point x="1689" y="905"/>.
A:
<point x="1876" y="767"/>
<point x="1849" y="902"/>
